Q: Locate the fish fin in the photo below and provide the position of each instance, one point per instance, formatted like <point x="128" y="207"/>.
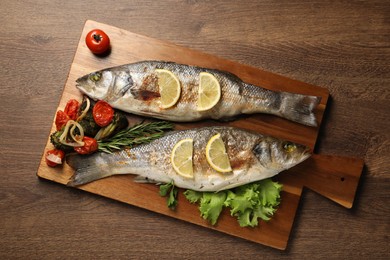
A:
<point x="299" y="108"/>
<point x="141" y="179"/>
<point x="145" y="95"/>
<point x="86" y="169"/>
<point x="231" y="186"/>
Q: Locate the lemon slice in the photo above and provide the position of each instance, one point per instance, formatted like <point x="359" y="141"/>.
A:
<point x="209" y="91"/>
<point x="216" y="154"/>
<point x="181" y="158"/>
<point x="169" y="87"/>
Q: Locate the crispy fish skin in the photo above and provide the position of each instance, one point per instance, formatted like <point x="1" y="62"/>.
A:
<point x="252" y="157"/>
<point x="134" y="88"/>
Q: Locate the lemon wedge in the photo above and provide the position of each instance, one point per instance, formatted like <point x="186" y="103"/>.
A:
<point x="169" y="87"/>
<point x="181" y="158"/>
<point x="209" y="91"/>
<point x="216" y="154"/>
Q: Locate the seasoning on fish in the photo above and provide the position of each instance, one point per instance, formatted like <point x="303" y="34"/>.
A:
<point x="252" y="157"/>
<point x="134" y="88"/>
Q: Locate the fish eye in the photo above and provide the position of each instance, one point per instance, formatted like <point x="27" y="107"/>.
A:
<point x="96" y="76"/>
<point x="289" y="147"/>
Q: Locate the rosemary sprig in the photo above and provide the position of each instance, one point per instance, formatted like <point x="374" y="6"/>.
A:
<point x="138" y="134"/>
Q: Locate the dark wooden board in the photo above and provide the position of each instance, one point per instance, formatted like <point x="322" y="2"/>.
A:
<point x="320" y="173"/>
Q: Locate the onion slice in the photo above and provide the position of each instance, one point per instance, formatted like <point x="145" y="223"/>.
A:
<point x="84" y="113"/>
<point x="69" y="128"/>
<point x="54" y="158"/>
<point x="81" y="136"/>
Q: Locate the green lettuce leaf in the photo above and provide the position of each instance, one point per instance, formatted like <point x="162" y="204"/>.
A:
<point x="240" y="201"/>
<point x="248" y="203"/>
<point x="211" y="205"/>
<point x="246" y="220"/>
<point x="193" y="196"/>
<point x="269" y="192"/>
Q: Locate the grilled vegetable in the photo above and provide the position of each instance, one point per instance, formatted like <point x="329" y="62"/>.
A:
<point x="90" y="146"/>
<point x="102" y="113"/>
<point x="55" y="140"/>
<point x="72" y="132"/>
<point x="71" y="108"/>
<point x="54" y="157"/>
<point x="118" y="123"/>
<point x="85" y="118"/>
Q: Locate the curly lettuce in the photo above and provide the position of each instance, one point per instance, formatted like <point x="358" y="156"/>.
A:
<point x="248" y="203"/>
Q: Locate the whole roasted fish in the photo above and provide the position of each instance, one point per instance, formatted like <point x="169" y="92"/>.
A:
<point x="252" y="157"/>
<point x="134" y="88"/>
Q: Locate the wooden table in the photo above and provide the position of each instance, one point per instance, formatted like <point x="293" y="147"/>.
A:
<point x="343" y="47"/>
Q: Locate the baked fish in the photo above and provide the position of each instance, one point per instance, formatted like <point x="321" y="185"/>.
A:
<point x="134" y="88"/>
<point x="252" y="157"/>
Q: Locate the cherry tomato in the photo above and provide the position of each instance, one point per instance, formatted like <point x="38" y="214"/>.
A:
<point x="61" y="119"/>
<point x="71" y="109"/>
<point x="102" y="113"/>
<point x="54" y="157"/>
<point x="97" y="41"/>
<point x="90" y="146"/>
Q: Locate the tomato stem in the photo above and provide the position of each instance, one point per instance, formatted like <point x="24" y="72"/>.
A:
<point x="97" y="37"/>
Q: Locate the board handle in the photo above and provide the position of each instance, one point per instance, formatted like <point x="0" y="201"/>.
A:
<point x="334" y="177"/>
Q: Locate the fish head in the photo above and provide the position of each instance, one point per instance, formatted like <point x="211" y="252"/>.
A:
<point x="278" y="154"/>
<point x="108" y="84"/>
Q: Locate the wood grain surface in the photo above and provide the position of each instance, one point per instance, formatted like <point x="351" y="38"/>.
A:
<point x="341" y="46"/>
<point x="320" y="172"/>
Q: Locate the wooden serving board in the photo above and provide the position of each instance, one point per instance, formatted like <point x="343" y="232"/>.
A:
<point x="334" y="177"/>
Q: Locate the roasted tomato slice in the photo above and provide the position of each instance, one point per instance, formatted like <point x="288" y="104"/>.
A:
<point x="90" y="146"/>
<point x="102" y="113"/>
<point x="72" y="108"/>
<point x="54" y="157"/>
<point x="61" y="119"/>
<point x="97" y="41"/>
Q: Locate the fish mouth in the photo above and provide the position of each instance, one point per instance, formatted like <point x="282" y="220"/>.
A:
<point x="307" y="152"/>
<point x="81" y="79"/>
<point x="81" y="83"/>
<point x="78" y="83"/>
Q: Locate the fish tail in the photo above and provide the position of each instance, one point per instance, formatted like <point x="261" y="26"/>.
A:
<point x="86" y="169"/>
<point x="299" y="108"/>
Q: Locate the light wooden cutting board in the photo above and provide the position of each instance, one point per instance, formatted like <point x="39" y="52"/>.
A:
<point x="334" y="177"/>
